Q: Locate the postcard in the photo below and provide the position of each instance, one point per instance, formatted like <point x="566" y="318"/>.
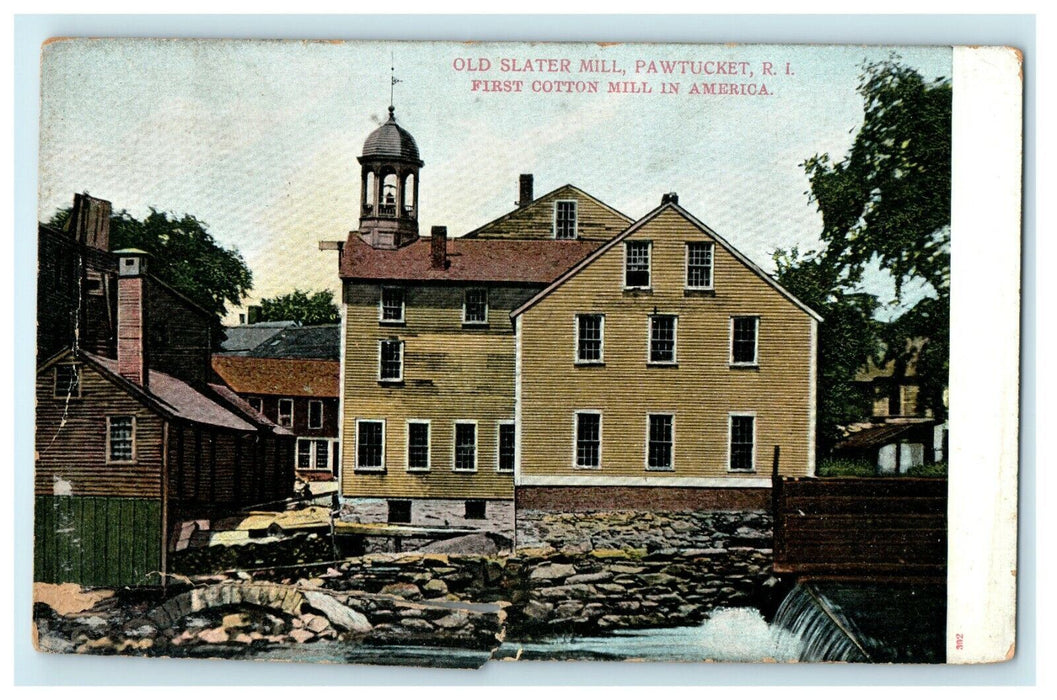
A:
<point x="444" y="354"/>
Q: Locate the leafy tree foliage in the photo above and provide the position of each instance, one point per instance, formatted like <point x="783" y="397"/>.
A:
<point x="301" y="306"/>
<point x="184" y="255"/>
<point x="887" y="203"/>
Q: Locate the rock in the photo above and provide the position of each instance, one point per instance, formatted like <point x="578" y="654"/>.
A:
<point x="613" y="588"/>
<point x="403" y="590"/>
<point x="569" y="608"/>
<point x="434" y="588"/>
<point x="317" y="624"/>
<point x="455" y="620"/>
<point x="537" y="610"/>
<point x="242" y="638"/>
<point x="234" y="621"/>
<point x="552" y="571"/>
<point x="622" y="569"/>
<point x="302" y="635"/>
<point x="657" y="579"/>
<point x="416" y="625"/>
<point x="477" y="543"/>
<point x="213" y="635"/>
<point x="589" y="578"/>
<point x="340" y="616"/>
<point x="94" y="621"/>
<point x="101" y="643"/>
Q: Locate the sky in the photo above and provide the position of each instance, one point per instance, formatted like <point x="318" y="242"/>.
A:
<point x="259" y="139"/>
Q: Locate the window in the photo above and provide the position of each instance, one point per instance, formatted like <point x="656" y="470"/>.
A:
<point x="475" y="510"/>
<point x="286" y="412"/>
<point x="742" y="442"/>
<point x="399" y="511"/>
<point x="662" y="339"/>
<point x="418" y="446"/>
<point x="588" y="440"/>
<point x="256" y="404"/>
<point x="565" y="219"/>
<point x="392" y="305"/>
<point x="67" y="381"/>
<point x="475" y="306"/>
<point x="391" y="360"/>
<point x="589" y="337"/>
<point x="120" y="439"/>
<point x="315" y="414"/>
<point x="743" y="345"/>
<point x="637" y="264"/>
<point x="506" y="448"/>
<point x="465" y="447"/>
<point x="699" y="265"/>
<point x="313" y="454"/>
<point x="370" y="445"/>
<point x="659" y="450"/>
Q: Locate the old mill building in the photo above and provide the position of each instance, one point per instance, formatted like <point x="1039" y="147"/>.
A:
<point x="560" y="355"/>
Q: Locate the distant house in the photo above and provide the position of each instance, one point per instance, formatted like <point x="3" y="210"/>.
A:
<point x="241" y="339"/>
<point x="128" y="452"/>
<point x="300" y="395"/>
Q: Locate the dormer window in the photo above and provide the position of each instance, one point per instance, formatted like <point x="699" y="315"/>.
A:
<point x="565" y="219"/>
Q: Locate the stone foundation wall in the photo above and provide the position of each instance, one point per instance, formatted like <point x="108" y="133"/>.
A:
<point x="434" y="512"/>
<point x="667" y="499"/>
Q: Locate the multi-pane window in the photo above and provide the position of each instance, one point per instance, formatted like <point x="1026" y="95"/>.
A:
<point x="465" y="447"/>
<point x="565" y="219"/>
<point x="121" y="445"/>
<point x="418" y="446"/>
<point x="391" y="360"/>
<point x="699" y="265"/>
<point x="637" y="264"/>
<point x="742" y="443"/>
<point x="286" y="412"/>
<point x="589" y="330"/>
<point x="256" y="403"/>
<point x="589" y="440"/>
<point x="313" y="454"/>
<point x="506" y="447"/>
<point x="662" y="338"/>
<point x="315" y="414"/>
<point x="392" y="305"/>
<point x="475" y="306"/>
<point x="370" y="444"/>
<point x="67" y="381"/>
<point x="659" y="451"/>
<point x="743" y="339"/>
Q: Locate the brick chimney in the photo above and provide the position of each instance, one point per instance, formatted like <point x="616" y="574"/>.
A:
<point x="90" y="221"/>
<point x="669" y="198"/>
<point x="438" y="247"/>
<point x="132" y="316"/>
<point x="525" y="190"/>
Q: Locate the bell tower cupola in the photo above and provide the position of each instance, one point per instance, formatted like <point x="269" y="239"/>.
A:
<point x="389" y="186"/>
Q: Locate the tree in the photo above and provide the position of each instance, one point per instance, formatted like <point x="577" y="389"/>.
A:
<point x="301" y="306"/>
<point x="888" y="203"/>
<point x="184" y="255"/>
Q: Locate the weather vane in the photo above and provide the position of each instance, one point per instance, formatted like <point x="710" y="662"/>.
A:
<point x="393" y="80"/>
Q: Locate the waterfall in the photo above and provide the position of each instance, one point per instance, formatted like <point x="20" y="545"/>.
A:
<point x="824" y="633"/>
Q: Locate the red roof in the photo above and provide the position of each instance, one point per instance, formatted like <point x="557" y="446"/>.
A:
<point x="469" y="260"/>
<point x="278" y="376"/>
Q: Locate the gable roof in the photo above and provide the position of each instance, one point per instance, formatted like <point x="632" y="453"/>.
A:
<point x="301" y="342"/>
<point x="638" y="225"/>
<point x="279" y="377"/>
<point x="469" y="260"/>
<point x="572" y="189"/>
<point x="242" y="339"/>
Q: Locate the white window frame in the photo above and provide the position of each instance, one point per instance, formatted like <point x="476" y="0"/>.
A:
<point x="109" y="459"/>
<point x="356" y="458"/>
<point x="649" y="342"/>
<point x="310" y="404"/>
<point x="498" y="444"/>
<point x="730" y="440"/>
<point x="646" y="455"/>
<point x="576" y="340"/>
<point x="390" y="380"/>
<point x="756" y="345"/>
<point x="576" y="438"/>
<point x="455" y="445"/>
<point x="279" y="413"/>
<point x="711" y="267"/>
<point x="55" y="392"/>
<point x="313" y="466"/>
<point x="381" y="306"/>
<point x="407" y="445"/>
<point x="649" y="265"/>
<point x="576" y="219"/>
<point x="465" y="293"/>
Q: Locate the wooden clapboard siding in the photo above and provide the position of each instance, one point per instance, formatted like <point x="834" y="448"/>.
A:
<point x="71" y="440"/>
<point x="595" y="221"/>
<point x="450" y="373"/>
<point x="701" y="391"/>
<point x="179" y="334"/>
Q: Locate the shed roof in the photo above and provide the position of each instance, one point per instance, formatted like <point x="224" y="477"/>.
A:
<point x="278" y="376"/>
